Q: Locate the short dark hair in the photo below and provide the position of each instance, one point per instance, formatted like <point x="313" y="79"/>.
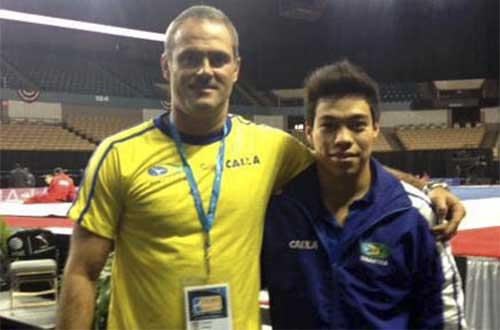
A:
<point x="200" y="12"/>
<point x="339" y="80"/>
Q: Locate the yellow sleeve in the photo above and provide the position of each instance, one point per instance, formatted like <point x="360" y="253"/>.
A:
<point x="99" y="201"/>
<point x="293" y="158"/>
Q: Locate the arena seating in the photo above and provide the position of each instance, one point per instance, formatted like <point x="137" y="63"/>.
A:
<point x="381" y="143"/>
<point x="74" y="74"/>
<point x="97" y="127"/>
<point x="90" y="74"/>
<point x="419" y="138"/>
<point x="140" y="78"/>
<point x="8" y="78"/>
<point x="40" y="136"/>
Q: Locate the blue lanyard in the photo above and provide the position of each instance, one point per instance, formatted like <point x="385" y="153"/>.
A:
<point x="206" y="219"/>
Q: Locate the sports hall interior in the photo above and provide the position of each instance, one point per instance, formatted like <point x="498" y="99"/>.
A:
<point x="63" y="90"/>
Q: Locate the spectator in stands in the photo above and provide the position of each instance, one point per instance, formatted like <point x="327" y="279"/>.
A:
<point x="61" y="189"/>
<point x="347" y="245"/>
<point x="30" y="178"/>
<point x="17" y="177"/>
<point x="146" y="188"/>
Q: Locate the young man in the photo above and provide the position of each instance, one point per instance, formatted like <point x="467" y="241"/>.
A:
<point x="176" y="197"/>
<point x="347" y="245"/>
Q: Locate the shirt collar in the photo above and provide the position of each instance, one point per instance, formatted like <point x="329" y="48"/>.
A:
<point x="162" y="125"/>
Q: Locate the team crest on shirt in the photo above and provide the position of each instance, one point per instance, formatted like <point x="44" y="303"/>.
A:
<point x="157" y="171"/>
<point x="374" y="253"/>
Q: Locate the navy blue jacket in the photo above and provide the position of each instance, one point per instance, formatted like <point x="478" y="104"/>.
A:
<point x="381" y="270"/>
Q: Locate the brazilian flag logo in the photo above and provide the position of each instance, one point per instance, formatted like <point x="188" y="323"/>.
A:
<point x="373" y="250"/>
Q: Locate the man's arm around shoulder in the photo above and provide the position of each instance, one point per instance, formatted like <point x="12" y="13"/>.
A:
<point x="447" y="205"/>
<point x="87" y="256"/>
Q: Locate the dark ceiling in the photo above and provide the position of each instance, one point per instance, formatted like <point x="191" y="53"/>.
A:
<point x="395" y="40"/>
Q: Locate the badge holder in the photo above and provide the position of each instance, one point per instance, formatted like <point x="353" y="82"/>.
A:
<point x="208" y="307"/>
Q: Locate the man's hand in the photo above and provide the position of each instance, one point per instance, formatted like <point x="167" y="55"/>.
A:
<point x="449" y="209"/>
<point x="450" y="212"/>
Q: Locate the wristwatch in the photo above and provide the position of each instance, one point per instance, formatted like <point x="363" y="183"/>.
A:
<point x="431" y="185"/>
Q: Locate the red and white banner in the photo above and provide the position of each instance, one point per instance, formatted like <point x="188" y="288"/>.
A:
<point x="165" y="104"/>
<point x="19" y="194"/>
<point x="27" y="95"/>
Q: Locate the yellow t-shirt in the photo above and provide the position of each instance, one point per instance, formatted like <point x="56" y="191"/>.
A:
<point x="136" y="193"/>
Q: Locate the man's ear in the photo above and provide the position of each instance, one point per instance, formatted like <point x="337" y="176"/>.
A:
<point x="165" y="71"/>
<point x="236" y="73"/>
<point x="308" y="132"/>
<point x="376" y="129"/>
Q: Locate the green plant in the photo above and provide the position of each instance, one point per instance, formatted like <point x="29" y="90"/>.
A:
<point x="4" y="234"/>
<point x="103" y="288"/>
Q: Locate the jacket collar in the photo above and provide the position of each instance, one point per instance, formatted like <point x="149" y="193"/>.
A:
<point x="386" y="191"/>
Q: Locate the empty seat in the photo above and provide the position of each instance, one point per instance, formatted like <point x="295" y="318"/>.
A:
<point x="38" y="271"/>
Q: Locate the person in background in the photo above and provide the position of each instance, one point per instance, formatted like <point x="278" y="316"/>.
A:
<point x="17" y="177"/>
<point x="346" y="244"/>
<point x="30" y="178"/>
<point x="61" y="189"/>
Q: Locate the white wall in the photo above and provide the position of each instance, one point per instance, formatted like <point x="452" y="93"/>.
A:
<point x="396" y="118"/>
<point x="273" y="121"/>
<point x="491" y="115"/>
<point x="151" y="113"/>
<point x="97" y="110"/>
<point x="35" y="110"/>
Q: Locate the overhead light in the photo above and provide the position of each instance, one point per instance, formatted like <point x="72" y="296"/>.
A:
<point x="80" y="25"/>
